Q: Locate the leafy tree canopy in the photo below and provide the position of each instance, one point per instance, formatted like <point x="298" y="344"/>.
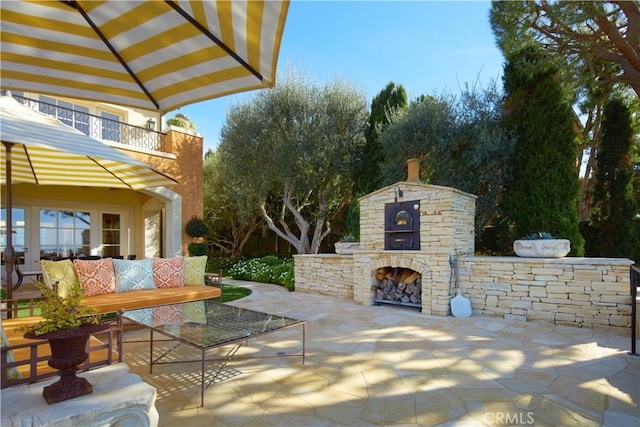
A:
<point x="392" y="97"/>
<point x="615" y="208"/>
<point x="230" y="210"/>
<point x="293" y="149"/>
<point x="459" y="142"/>
<point x="599" y="36"/>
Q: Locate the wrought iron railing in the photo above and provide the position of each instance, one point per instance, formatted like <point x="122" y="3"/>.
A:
<point x="100" y="128"/>
<point x="635" y="282"/>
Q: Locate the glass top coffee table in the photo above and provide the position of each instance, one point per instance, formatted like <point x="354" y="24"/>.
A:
<point x="208" y="324"/>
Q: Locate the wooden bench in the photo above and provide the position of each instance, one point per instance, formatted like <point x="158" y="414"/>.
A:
<point x="30" y="356"/>
<point x="131" y="300"/>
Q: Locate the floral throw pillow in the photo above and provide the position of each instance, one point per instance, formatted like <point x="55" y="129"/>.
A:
<point x="193" y="273"/>
<point x="96" y="277"/>
<point x="61" y="272"/>
<point x="133" y="275"/>
<point x="167" y="272"/>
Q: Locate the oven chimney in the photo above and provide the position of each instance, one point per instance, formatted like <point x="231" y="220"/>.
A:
<point x="413" y="170"/>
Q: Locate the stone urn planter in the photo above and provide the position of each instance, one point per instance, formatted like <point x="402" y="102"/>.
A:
<point x="68" y="350"/>
<point x="542" y="248"/>
<point x="346" y="248"/>
<point x="67" y="323"/>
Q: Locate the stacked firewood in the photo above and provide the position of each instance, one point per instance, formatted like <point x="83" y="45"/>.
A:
<point x="398" y="284"/>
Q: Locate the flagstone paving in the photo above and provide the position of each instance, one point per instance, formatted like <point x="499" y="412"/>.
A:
<point x="389" y="365"/>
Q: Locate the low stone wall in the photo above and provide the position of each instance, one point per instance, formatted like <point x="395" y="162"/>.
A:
<point x="576" y="291"/>
<point x="325" y="274"/>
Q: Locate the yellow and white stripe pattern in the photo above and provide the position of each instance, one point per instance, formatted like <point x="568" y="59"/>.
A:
<point x="46" y="151"/>
<point x="48" y="47"/>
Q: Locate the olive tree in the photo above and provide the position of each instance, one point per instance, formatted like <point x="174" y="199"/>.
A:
<point x="460" y="143"/>
<point x="230" y="211"/>
<point x="293" y="149"/>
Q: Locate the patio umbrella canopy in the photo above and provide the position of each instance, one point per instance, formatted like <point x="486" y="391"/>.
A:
<point x="156" y="55"/>
<point x="40" y="149"/>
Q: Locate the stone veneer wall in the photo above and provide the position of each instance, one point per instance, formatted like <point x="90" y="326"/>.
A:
<point x="325" y="274"/>
<point x="576" y="291"/>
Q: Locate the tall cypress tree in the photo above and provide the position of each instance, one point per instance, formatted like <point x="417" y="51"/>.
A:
<point x="368" y="177"/>
<point x="614" y="205"/>
<point x="543" y="192"/>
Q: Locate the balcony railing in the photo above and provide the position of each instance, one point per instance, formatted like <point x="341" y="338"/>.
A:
<point x="100" y="128"/>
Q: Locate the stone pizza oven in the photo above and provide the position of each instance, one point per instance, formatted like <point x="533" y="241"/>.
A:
<point x="408" y="232"/>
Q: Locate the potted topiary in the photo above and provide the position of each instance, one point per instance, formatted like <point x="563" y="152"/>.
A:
<point x="541" y="245"/>
<point x="197" y="229"/>
<point x="198" y="249"/>
<point x="67" y="324"/>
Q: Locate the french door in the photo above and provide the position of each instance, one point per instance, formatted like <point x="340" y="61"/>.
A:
<point x="75" y="233"/>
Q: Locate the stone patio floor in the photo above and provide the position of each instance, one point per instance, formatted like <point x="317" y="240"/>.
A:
<point x="390" y="365"/>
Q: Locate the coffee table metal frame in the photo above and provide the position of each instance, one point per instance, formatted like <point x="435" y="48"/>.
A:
<point x="226" y="325"/>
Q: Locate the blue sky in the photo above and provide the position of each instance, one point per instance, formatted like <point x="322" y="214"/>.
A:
<point x="429" y="47"/>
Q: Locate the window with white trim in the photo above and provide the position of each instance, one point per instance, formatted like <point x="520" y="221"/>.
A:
<point x="70" y="114"/>
<point x="64" y="233"/>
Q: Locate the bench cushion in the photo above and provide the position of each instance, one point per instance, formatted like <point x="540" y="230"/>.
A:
<point x="111" y="303"/>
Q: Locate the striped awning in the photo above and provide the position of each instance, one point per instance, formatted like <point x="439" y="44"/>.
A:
<point x="46" y="151"/>
<point x="156" y="55"/>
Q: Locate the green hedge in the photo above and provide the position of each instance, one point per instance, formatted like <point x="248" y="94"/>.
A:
<point x="269" y="269"/>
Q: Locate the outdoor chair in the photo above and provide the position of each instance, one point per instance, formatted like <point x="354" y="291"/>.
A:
<point x="89" y="257"/>
<point x="27" y="273"/>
